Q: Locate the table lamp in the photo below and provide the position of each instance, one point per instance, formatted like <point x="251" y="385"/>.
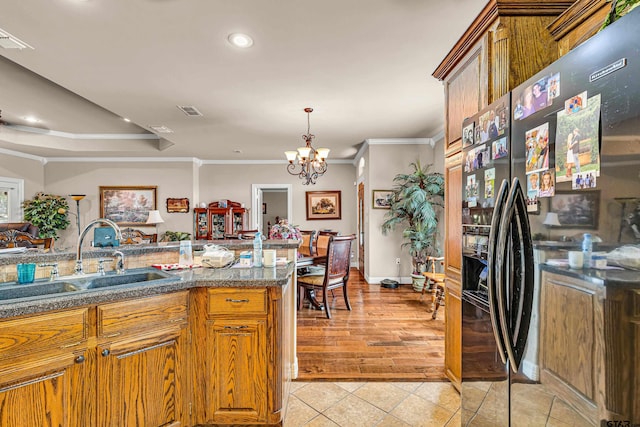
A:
<point x="77" y="198"/>
<point x="551" y="220"/>
<point x="154" y="219"/>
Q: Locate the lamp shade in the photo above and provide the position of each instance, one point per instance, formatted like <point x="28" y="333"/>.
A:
<point x="552" y="219"/>
<point x="154" y="218"/>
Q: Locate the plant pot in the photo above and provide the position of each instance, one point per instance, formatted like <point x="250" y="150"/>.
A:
<point x="417" y="281"/>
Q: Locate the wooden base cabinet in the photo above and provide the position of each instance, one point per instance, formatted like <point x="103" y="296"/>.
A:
<point x="236" y="342"/>
<point x="206" y="356"/>
<point x="238" y="370"/>
<point x="119" y="364"/>
<point x="141" y="361"/>
<point x="44" y="370"/>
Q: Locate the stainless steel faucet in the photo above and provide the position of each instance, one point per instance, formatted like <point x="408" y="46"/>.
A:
<point x="119" y="262"/>
<point x="54" y="270"/>
<point x="79" y="269"/>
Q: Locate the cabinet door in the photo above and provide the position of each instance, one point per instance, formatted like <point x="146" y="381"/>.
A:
<point x="453" y="220"/>
<point x="237" y="391"/>
<point x="218" y="223"/>
<point x="200" y="224"/>
<point x="139" y="381"/>
<point x="453" y="333"/>
<point x="237" y="220"/>
<point x="46" y="390"/>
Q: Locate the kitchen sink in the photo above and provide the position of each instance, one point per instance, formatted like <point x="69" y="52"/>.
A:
<point x="15" y="291"/>
<point x="128" y="278"/>
<point x="86" y="283"/>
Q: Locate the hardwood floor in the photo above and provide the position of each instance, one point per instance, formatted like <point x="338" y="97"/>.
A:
<point x="387" y="336"/>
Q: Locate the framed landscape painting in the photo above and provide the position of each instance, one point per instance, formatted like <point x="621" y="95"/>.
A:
<point x="323" y="205"/>
<point x="127" y="205"/>
<point x="381" y="199"/>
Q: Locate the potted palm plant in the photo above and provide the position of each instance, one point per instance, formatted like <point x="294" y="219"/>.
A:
<point x="416" y="202"/>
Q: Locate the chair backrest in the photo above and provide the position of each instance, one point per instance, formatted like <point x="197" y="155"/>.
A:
<point x="246" y="234"/>
<point x="435" y="264"/>
<point x="131" y="236"/>
<point x="308" y="239"/>
<point x="322" y="241"/>
<point x="338" y="258"/>
<point x="15" y="238"/>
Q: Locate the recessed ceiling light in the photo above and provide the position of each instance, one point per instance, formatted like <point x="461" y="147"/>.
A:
<point x="237" y="151"/>
<point x="32" y="119"/>
<point x="126" y="119"/>
<point x="240" y="40"/>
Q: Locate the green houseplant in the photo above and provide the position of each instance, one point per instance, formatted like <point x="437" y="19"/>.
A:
<point x="415" y="204"/>
<point x="175" y="236"/>
<point x="48" y="212"/>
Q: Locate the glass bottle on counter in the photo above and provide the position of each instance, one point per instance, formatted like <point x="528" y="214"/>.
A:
<point x="587" y="250"/>
<point x="257" y="250"/>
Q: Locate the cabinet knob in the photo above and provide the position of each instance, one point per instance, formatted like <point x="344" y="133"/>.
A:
<point x="106" y="352"/>
<point x="79" y="359"/>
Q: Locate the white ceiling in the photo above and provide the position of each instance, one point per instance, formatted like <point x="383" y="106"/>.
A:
<point x="363" y="65"/>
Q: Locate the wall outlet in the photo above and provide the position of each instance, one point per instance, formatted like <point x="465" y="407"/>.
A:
<point x="397" y="260"/>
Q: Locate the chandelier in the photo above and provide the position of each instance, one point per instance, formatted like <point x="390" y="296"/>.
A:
<point x="312" y="163"/>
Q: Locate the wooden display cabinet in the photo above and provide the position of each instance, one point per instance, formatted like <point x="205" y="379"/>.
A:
<point x="225" y="217"/>
<point x="219" y="219"/>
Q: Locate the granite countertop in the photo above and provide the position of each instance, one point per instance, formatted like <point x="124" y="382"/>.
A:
<point x="608" y="277"/>
<point x="200" y="277"/>
<point x="38" y="255"/>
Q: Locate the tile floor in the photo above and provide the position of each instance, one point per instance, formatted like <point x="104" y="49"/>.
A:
<point x="369" y="404"/>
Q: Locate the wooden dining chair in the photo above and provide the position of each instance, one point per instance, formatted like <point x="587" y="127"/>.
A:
<point x="131" y="236"/>
<point x="435" y="282"/>
<point x="336" y="274"/>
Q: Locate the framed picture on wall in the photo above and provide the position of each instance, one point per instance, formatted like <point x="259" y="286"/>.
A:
<point x="178" y="205"/>
<point x="381" y="199"/>
<point x="323" y="205"/>
<point x="127" y="205"/>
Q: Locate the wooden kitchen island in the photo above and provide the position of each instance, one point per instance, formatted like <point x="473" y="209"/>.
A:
<point x="208" y="347"/>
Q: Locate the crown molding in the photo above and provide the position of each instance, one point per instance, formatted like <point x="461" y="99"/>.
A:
<point x="69" y="135"/>
<point x="122" y="159"/>
<point x="391" y="141"/>
<point x="40" y="159"/>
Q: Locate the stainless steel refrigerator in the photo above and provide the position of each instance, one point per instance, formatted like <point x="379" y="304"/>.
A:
<point x="558" y="157"/>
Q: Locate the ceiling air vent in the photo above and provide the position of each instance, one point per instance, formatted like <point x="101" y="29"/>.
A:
<point x="8" y="41"/>
<point x="190" y="111"/>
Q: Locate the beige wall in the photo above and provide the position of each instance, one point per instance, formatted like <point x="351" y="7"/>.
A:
<point x="220" y="181"/>
<point x="173" y="179"/>
<point x="32" y="171"/>
<point x="383" y="163"/>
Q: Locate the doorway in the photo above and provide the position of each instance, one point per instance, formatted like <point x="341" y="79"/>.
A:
<point x="361" y="227"/>
<point x="268" y="202"/>
<point x="11" y="197"/>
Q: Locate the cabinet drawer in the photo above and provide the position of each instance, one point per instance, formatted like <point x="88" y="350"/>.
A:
<point x="237" y="301"/>
<point x="155" y="312"/>
<point x="43" y="331"/>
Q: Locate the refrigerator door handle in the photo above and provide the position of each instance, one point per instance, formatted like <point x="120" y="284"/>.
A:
<point x="514" y="307"/>
<point x="494" y="266"/>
